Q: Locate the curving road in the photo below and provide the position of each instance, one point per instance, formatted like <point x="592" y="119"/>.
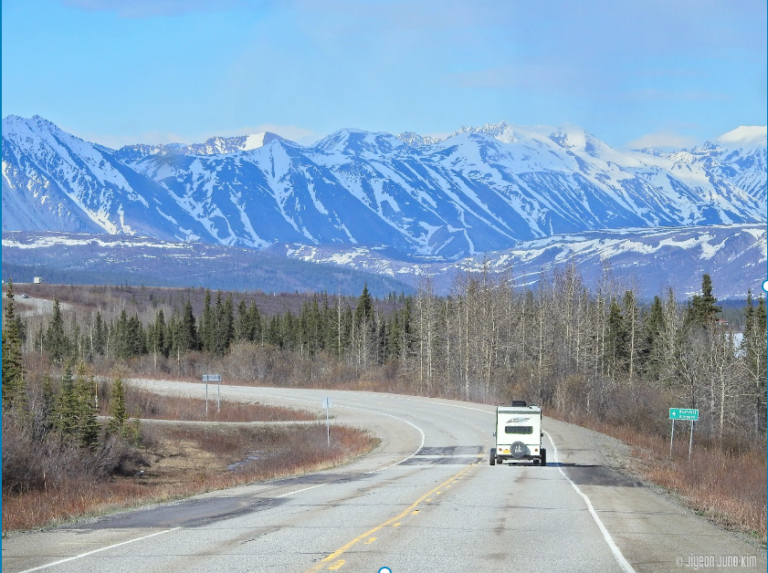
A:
<point x="426" y="500"/>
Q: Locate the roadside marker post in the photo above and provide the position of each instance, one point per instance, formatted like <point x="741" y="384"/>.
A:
<point x="327" y="406"/>
<point x="690" y="442"/>
<point x="672" y="438"/>
<point x="689" y="414"/>
<point x="212" y="378"/>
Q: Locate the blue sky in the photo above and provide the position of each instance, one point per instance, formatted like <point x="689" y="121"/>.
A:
<point x="632" y="72"/>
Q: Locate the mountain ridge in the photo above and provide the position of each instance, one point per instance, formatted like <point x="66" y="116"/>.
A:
<point x="480" y="189"/>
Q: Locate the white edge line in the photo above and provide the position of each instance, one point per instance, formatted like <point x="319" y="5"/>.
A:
<point x="623" y="563"/>
<point x="297" y="491"/>
<point x="60" y="561"/>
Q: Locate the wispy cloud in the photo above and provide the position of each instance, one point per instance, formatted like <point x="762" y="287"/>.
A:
<point x="157" y="8"/>
<point x="662" y="140"/>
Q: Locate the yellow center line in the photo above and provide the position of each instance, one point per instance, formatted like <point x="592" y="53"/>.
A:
<point x="338" y="565"/>
<point x="339" y="552"/>
<point x="371" y="540"/>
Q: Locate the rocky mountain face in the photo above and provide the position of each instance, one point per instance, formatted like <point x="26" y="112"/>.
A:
<point x="478" y="190"/>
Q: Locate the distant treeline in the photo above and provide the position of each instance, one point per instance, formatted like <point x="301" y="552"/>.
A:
<point x="324" y="324"/>
<point x="595" y="352"/>
<point x="265" y="273"/>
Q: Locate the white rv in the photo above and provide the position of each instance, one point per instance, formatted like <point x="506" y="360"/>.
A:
<point x="518" y="434"/>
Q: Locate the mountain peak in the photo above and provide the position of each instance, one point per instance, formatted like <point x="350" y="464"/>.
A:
<point x="351" y="141"/>
<point x="502" y="131"/>
<point x="219" y="145"/>
<point x="34" y="121"/>
<point x="415" y="140"/>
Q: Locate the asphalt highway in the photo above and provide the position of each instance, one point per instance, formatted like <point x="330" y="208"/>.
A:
<point x="425" y="500"/>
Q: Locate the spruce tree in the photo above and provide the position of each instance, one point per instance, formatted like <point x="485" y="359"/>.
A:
<point x="122" y="345"/>
<point x="133" y="432"/>
<point x="364" y="310"/>
<point x="616" y="339"/>
<point x="85" y="396"/>
<point x="56" y="341"/>
<point x="702" y="309"/>
<point x="14" y="390"/>
<point x="242" y="324"/>
<point x="136" y="337"/>
<point x="226" y="323"/>
<point x="255" y="323"/>
<point x="206" y="330"/>
<point x="67" y="409"/>
<point x="407" y="324"/>
<point x="158" y="340"/>
<point x="395" y="336"/>
<point x="99" y="335"/>
<point x="653" y="326"/>
<point x="274" y="336"/>
<point x="185" y="335"/>
<point x="288" y="331"/>
<point x="347" y="324"/>
<point x="117" y="409"/>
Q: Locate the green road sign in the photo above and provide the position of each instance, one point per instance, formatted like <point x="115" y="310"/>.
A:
<point x="683" y="414"/>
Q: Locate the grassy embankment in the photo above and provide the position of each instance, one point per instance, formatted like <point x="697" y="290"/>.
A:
<point x="178" y="460"/>
<point x="728" y="488"/>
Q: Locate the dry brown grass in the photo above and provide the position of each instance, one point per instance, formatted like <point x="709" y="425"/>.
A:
<point x="727" y="488"/>
<point x="149" y="405"/>
<point x="188" y="461"/>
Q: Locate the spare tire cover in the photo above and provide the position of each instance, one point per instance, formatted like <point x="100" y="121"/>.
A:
<point x="519" y="450"/>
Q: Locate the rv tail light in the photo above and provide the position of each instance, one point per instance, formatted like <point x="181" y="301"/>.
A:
<point x="535" y="449"/>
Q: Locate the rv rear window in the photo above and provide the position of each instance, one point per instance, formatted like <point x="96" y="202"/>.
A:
<point x="518" y="429"/>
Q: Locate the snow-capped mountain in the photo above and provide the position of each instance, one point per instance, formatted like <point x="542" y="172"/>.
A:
<point x="737" y="157"/>
<point x="650" y="260"/>
<point x="480" y="189"/>
<point x="55" y="181"/>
